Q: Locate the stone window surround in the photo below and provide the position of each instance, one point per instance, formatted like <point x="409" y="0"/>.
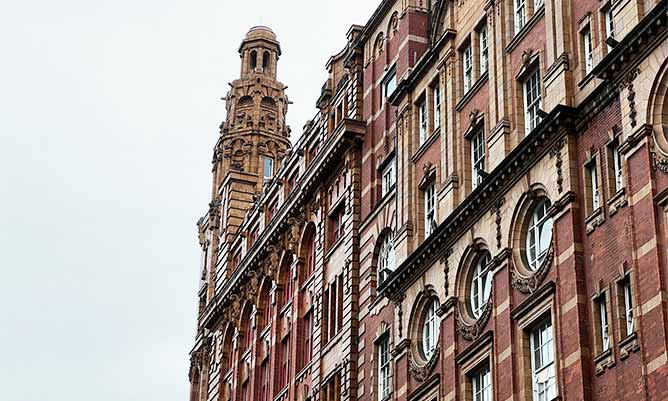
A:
<point x="604" y="358"/>
<point x="528" y="314"/>
<point x="473" y="358"/>
<point x="616" y="199"/>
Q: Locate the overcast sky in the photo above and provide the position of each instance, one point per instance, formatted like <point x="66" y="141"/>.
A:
<point x="109" y="111"/>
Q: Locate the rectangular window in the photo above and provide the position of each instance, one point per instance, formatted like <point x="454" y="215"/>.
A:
<point x="423" y="121"/>
<point x="285" y="362"/>
<point x="268" y="167"/>
<point x="484" y="49"/>
<point x="468" y="68"/>
<point x="429" y="210"/>
<point x="325" y="315"/>
<point x="477" y="157"/>
<point x="592" y="175"/>
<point x="617" y="171"/>
<point x="481" y="384"/>
<point x="264" y="380"/>
<point x="626" y="306"/>
<point x="389" y="83"/>
<point x="520" y="14"/>
<point x="331" y="391"/>
<point x="588" y="49"/>
<point x="532" y="101"/>
<point x="389" y="178"/>
<point x="384" y="364"/>
<point x="603" y="323"/>
<point x="436" y="91"/>
<point x="609" y="24"/>
<point x="307" y="334"/>
<point x="543" y="378"/>
<point x="336" y="225"/>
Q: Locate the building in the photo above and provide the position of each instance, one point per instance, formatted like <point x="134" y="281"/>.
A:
<point x="477" y="211"/>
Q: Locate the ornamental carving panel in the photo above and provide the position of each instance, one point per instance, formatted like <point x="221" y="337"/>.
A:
<point x="422" y="372"/>
<point x="529" y="285"/>
<point x="472" y="331"/>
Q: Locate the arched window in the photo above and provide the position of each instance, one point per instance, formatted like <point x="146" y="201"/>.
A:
<point x="265" y="60"/>
<point x="539" y="234"/>
<point x="247" y="330"/>
<point x="253" y="60"/>
<point x="286" y="279"/>
<point x="310" y="255"/>
<point x="480" y="284"/>
<point x="386" y="261"/>
<point x="430" y="329"/>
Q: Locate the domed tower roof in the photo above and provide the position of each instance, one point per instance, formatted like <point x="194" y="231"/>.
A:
<point x="260" y="33"/>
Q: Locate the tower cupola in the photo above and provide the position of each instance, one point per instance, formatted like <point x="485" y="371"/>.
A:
<point x="259" y="53"/>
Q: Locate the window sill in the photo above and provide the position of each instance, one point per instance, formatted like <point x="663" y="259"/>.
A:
<point x="617" y="201"/>
<point x="333" y="248"/>
<point x="426" y="145"/>
<point x="628" y="345"/>
<point x="282" y="394"/>
<point x="604" y="360"/>
<point x="472" y="91"/>
<point x="594" y="220"/>
<point x="303" y="372"/>
<point x="331" y="343"/>
<point x="525" y="29"/>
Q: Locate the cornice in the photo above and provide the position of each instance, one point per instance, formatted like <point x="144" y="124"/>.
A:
<point x="348" y="134"/>
<point x="557" y="124"/>
<point x="636" y="45"/>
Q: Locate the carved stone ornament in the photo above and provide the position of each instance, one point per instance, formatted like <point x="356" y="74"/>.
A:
<point x="293" y="235"/>
<point x="555" y="151"/>
<point x="473" y="117"/>
<point x="422" y="372"/>
<point x="659" y="162"/>
<point x="271" y="262"/>
<point x="471" y="332"/>
<point x="529" y="285"/>
<point x="527" y="55"/>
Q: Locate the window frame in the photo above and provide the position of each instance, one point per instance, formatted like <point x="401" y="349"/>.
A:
<point x="264" y="167"/>
<point x="436" y="95"/>
<point x="467" y="67"/>
<point x="480" y="284"/>
<point x="388" y="178"/>
<point x="430" y="329"/>
<point x="483" y="45"/>
<point x="544" y="325"/>
<point x="423" y="120"/>
<point x="533" y="99"/>
<point x="587" y="48"/>
<point x="478" y="157"/>
<point x="481" y="391"/>
<point x="386" y="257"/>
<point x="535" y="231"/>
<point x="390" y="77"/>
<point x="429" y="195"/>
<point x="384" y="367"/>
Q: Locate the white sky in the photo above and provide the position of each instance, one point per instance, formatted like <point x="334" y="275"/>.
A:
<point x="108" y="114"/>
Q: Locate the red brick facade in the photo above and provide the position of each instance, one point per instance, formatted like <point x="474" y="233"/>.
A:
<point x="477" y="211"/>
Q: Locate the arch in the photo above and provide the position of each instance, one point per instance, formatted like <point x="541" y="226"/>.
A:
<point x="246" y="325"/>
<point x="245" y="101"/>
<point x="378" y="45"/>
<point x="467" y="267"/>
<point x="253" y="60"/>
<point x="384" y="258"/>
<point x="519" y="225"/>
<point x="307" y="252"/>
<point x="265" y="60"/>
<point x="264" y="304"/>
<point x="424" y="301"/>
<point x="227" y="351"/>
<point x="268" y="102"/>
<point x="392" y="26"/>
<point x="285" y="279"/>
<point x="657" y="110"/>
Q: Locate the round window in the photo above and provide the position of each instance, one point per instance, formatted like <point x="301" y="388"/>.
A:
<point x="480" y="285"/>
<point x="539" y="234"/>
<point x="430" y="329"/>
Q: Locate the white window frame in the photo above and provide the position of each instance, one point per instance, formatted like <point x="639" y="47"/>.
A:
<point x="468" y="67"/>
<point x="429" y="210"/>
<point x="520" y="9"/>
<point x="594" y="183"/>
<point x="481" y="285"/>
<point x="477" y="157"/>
<point x="609" y="24"/>
<point x="537" y="4"/>
<point x="543" y="375"/>
<point x="627" y="294"/>
<point x="430" y="329"/>
<point x="481" y="384"/>
<point x="617" y="168"/>
<point x="532" y="100"/>
<point x="423" y="115"/>
<point x="604" y="324"/>
<point x="386" y="257"/>
<point x="389" y="83"/>
<point x="269" y="160"/>
<point x="388" y="178"/>
<point x="384" y="369"/>
<point x="436" y="92"/>
<point x="588" y="48"/>
<point x="539" y="234"/>
<point x="484" y="49"/>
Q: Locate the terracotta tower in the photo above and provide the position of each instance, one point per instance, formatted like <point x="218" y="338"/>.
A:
<point x="253" y="140"/>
